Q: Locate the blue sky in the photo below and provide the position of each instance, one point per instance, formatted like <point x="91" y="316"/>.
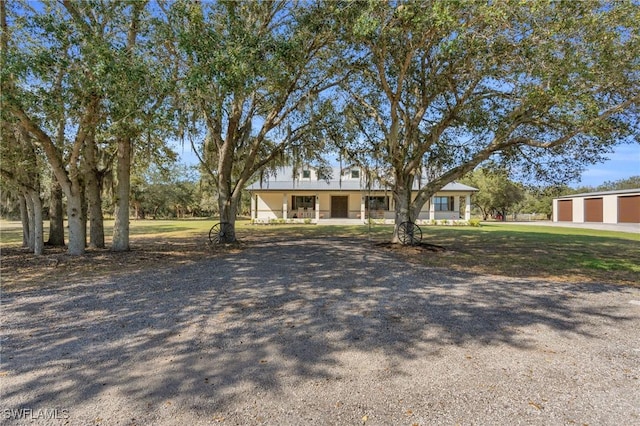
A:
<point x="623" y="163"/>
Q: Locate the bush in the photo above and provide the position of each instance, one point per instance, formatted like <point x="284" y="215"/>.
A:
<point x="474" y="222"/>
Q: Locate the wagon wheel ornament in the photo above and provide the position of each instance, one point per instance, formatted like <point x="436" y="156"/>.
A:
<point x="409" y="233"/>
<point x="221" y="233"/>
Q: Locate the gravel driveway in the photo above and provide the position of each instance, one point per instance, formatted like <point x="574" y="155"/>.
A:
<point x="330" y="331"/>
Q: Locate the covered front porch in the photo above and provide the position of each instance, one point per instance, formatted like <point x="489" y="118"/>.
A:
<point x="350" y="207"/>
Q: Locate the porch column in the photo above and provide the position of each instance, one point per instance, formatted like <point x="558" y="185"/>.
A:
<point x="456" y="208"/>
<point x="254" y="207"/>
<point x="362" y="210"/>
<point x="317" y="208"/>
<point x="432" y="209"/>
<point x="467" y="209"/>
<point x="285" y="206"/>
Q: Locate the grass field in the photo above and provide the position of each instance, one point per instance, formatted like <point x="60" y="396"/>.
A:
<point x="567" y="254"/>
<point x="572" y="254"/>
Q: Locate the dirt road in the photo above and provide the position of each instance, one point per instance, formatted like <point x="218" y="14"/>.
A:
<point x="318" y="332"/>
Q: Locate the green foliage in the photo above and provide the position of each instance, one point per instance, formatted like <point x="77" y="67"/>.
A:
<point x="632" y="182"/>
<point x="474" y="222"/>
<point x="166" y="193"/>
<point x="253" y="86"/>
<point x="539" y="200"/>
<point x="416" y="91"/>
<point x="447" y="86"/>
<point x="497" y="193"/>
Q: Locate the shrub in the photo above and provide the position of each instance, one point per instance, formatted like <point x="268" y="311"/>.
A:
<point x="474" y="222"/>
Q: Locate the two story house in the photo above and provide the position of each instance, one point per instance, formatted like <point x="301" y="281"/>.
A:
<point x="346" y="195"/>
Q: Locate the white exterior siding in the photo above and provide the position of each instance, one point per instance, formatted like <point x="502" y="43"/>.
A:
<point x="325" y="205"/>
<point x="578" y="210"/>
<point x="269" y="205"/>
<point x="354" y="205"/>
<point x="610" y="209"/>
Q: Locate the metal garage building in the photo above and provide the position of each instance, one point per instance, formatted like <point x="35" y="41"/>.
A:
<point x="599" y="207"/>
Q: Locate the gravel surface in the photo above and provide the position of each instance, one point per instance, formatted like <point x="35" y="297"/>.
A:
<point x="319" y="332"/>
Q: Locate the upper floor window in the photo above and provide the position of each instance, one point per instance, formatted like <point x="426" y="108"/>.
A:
<point x="355" y="174"/>
<point x="306" y="174"/>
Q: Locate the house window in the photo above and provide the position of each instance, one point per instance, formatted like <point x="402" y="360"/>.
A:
<point x="355" y="174"/>
<point x="303" y="202"/>
<point x="306" y="174"/>
<point x="443" y="204"/>
<point x="377" y="203"/>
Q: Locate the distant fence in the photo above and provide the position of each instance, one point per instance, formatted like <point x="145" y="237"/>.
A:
<point x="525" y="217"/>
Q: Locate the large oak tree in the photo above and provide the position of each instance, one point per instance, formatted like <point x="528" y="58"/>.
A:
<point x="85" y="82"/>
<point x="543" y="87"/>
<point x="254" y="79"/>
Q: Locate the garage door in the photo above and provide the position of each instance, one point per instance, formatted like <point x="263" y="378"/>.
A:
<point x="629" y="209"/>
<point x="593" y="210"/>
<point x="565" y="210"/>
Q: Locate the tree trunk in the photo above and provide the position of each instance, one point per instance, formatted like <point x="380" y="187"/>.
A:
<point x="24" y="217"/>
<point x="403" y="208"/>
<point x="56" y="215"/>
<point x="94" y="199"/>
<point x="38" y="239"/>
<point x="228" y="205"/>
<point x="123" y="186"/>
<point x="96" y="220"/>
<point x="67" y="174"/>
<point x="94" y="214"/>
<point x="31" y="241"/>
<point x="77" y="223"/>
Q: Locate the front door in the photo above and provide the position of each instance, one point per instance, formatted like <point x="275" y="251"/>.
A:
<point x="340" y="207"/>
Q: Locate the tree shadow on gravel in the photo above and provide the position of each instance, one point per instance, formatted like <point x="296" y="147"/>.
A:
<point x="281" y="312"/>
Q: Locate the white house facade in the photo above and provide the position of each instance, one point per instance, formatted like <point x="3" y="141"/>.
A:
<point x="307" y="197"/>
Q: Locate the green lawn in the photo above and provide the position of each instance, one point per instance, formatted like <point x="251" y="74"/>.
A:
<point x="570" y="254"/>
<point x="11" y="232"/>
<point x="563" y="253"/>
